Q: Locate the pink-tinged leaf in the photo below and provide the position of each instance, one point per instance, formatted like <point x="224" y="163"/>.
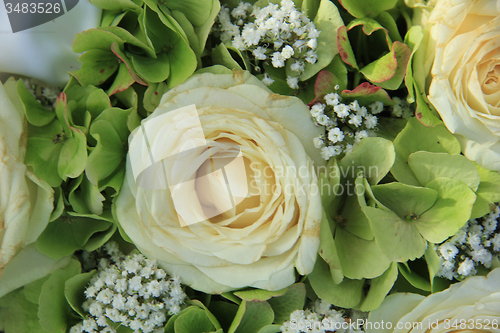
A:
<point x="366" y="94"/>
<point x="344" y="47"/>
<point x="122" y="81"/>
<point x="382" y="69"/>
<point x="369" y="26"/>
<point x="402" y="53"/>
<point x="325" y="84"/>
<point x="95" y="73"/>
<point x="424" y="114"/>
<point x="389" y="71"/>
<point x="115" y="48"/>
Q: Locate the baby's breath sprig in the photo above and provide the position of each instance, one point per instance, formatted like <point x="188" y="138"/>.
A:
<point x="276" y="34"/>
<point x="130" y="291"/>
<point x="323" y="317"/>
<point x="346" y="124"/>
<point x="478" y="242"/>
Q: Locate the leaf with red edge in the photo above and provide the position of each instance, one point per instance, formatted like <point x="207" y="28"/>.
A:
<point x="389" y="71"/>
<point x="115" y="48"/>
<point x="95" y="73"/>
<point x="344" y="47"/>
<point x="369" y="26"/>
<point x="366" y="94"/>
<point x="325" y="84"/>
<point x="122" y="81"/>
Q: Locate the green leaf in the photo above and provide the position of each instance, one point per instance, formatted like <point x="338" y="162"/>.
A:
<point x="309" y="7"/>
<point x="389" y="71"/>
<point x="210" y="316"/>
<point x="36" y="114"/>
<point x="204" y="30"/>
<point x="95" y="73"/>
<point x="362" y="8"/>
<point x="347" y="294"/>
<point x="100" y="238"/>
<point x="292" y="300"/>
<point x="327" y="249"/>
<point x="196" y="11"/>
<point x="433" y="263"/>
<point x="413" y="39"/>
<point x="68" y="234"/>
<point x="379" y="288"/>
<point x="97" y="101"/>
<point x="111" y="132"/>
<point x="450" y="212"/>
<point x="118" y="5"/>
<point x="406" y="201"/>
<point x="125" y="59"/>
<point x="122" y="81"/>
<point x="43" y="150"/>
<point x="95" y="39"/>
<point x="367" y="94"/>
<point x="251" y="317"/>
<point x="271" y="329"/>
<point x="387" y="21"/>
<point x="182" y="58"/>
<point x="414" y="278"/>
<point x="54" y="312"/>
<point x="355" y="220"/>
<point x="389" y="128"/>
<point x="73" y="156"/>
<point x="92" y="197"/>
<point x="427" y="166"/>
<point x="153" y="95"/>
<point x="344" y="47"/>
<point x="259" y="294"/>
<point x="74" y="289"/>
<point x="398" y="238"/>
<point x="22" y="317"/>
<point x="27" y="266"/>
<point x="359" y="258"/>
<point x="152" y="70"/>
<point x="191" y="35"/>
<point x="224" y="312"/>
<point x="32" y="290"/>
<point x="416" y="137"/>
<point x="327" y="21"/>
<point x="487" y="193"/>
<point x="373" y="156"/>
<point x="193" y="321"/>
<point x="221" y="56"/>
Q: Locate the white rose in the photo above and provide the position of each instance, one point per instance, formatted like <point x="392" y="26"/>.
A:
<point x="44" y="52"/>
<point x="269" y="233"/>
<point x="472" y="305"/>
<point x="465" y="87"/>
<point x="26" y="202"/>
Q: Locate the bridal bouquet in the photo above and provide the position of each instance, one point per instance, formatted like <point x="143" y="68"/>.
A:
<point x="190" y="166"/>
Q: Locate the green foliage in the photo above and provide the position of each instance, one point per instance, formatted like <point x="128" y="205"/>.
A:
<point x="144" y="42"/>
<point x="397" y="200"/>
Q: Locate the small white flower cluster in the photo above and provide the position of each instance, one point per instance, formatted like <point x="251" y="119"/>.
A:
<point x="478" y="242"/>
<point x="131" y="291"/>
<point x="322" y="318"/>
<point x="278" y="34"/>
<point x="44" y="94"/>
<point x="346" y="124"/>
<point x="401" y="109"/>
